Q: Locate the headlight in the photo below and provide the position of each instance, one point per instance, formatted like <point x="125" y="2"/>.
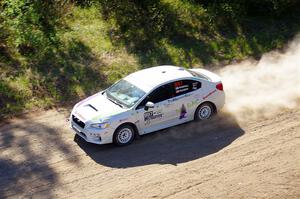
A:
<point x="103" y="125"/>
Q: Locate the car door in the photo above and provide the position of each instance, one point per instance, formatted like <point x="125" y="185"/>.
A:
<point x="186" y="100"/>
<point x="158" y="117"/>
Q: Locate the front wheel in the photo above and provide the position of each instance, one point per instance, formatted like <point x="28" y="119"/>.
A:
<point x="124" y="135"/>
<point x="204" y="111"/>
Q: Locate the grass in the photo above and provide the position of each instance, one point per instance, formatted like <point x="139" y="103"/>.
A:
<point x="94" y="45"/>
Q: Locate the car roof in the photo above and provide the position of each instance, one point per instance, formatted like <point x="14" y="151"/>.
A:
<point x="149" y="78"/>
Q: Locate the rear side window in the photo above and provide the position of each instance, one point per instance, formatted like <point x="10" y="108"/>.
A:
<point x="185" y="86"/>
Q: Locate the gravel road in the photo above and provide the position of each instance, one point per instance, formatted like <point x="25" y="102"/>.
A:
<point x="41" y="158"/>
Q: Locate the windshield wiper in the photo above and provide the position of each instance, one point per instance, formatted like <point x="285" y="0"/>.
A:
<point x="120" y="105"/>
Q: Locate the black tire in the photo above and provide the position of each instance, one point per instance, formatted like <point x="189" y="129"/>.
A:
<point x="124" y="135"/>
<point x="204" y="112"/>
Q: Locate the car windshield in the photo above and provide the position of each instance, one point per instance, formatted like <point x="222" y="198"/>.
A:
<point x="124" y="93"/>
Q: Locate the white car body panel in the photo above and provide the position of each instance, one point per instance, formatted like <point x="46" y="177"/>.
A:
<point x="99" y="109"/>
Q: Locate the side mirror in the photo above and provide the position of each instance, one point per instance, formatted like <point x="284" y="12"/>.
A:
<point x="149" y="105"/>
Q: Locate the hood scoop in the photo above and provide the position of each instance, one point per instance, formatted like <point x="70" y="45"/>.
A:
<point x="92" y="107"/>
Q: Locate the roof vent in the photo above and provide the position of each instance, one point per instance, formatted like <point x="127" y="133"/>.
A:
<point x="163" y="71"/>
<point x="180" y="68"/>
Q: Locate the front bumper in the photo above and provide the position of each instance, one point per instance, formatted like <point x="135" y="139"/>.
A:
<point x="95" y="136"/>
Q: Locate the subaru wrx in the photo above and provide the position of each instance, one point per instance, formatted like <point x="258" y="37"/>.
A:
<point x="146" y="101"/>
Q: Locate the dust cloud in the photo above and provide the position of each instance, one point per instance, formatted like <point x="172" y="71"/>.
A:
<point x="257" y="89"/>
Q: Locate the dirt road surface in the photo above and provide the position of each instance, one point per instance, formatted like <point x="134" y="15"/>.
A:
<point x="39" y="158"/>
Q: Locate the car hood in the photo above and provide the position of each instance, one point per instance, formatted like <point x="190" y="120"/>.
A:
<point x="96" y="108"/>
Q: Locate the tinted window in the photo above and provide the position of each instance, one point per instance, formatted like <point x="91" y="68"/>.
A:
<point x="158" y="95"/>
<point x="185" y="86"/>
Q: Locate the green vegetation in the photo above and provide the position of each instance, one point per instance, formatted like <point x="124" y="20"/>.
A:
<point x="55" y="52"/>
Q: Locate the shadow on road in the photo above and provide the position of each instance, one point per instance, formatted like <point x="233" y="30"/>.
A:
<point x="175" y="145"/>
<point x="26" y="150"/>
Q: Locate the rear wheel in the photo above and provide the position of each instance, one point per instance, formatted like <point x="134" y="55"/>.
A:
<point x="124" y="135"/>
<point x="204" y="111"/>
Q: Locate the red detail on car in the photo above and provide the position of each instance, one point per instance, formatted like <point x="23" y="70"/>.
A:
<point x="220" y="86"/>
<point x="178" y="84"/>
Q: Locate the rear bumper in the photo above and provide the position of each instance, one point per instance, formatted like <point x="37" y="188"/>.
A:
<point x="220" y="102"/>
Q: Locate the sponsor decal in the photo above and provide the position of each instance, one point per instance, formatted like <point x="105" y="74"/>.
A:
<point x="178" y="84"/>
<point x="179" y="87"/>
<point x="183" y="112"/>
<point x="209" y="94"/>
<point x="152" y="116"/>
<point x="193" y="103"/>
<point x="195" y="85"/>
<point x="179" y="97"/>
<point x="182" y="89"/>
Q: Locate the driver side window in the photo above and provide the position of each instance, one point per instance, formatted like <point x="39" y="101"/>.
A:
<point x="160" y="94"/>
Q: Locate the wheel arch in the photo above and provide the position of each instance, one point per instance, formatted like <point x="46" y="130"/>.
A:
<point x="211" y="103"/>
<point x="207" y="102"/>
<point x="136" y="131"/>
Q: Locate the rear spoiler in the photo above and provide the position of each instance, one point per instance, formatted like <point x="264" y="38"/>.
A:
<point x="207" y="74"/>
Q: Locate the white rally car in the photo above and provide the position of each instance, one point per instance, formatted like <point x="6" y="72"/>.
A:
<point x="146" y="101"/>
